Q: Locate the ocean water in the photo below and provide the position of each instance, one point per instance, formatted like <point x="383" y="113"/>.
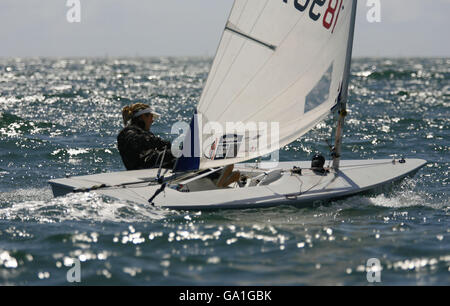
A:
<point x="61" y="116"/>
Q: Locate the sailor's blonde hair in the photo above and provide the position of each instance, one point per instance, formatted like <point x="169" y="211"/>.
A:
<point x="129" y="111"/>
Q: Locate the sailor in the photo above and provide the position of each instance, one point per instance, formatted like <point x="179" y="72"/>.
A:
<point x="138" y="147"/>
<point x="228" y="176"/>
<point x="317" y="164"/>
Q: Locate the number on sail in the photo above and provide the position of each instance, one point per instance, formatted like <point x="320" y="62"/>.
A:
<point x="330" y="16"/>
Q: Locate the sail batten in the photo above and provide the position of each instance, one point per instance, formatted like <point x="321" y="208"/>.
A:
<point x="278" y="61"/>
<point x="232" y="28"/>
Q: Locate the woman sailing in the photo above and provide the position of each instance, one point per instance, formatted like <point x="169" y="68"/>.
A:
<point x="138" y="147"/>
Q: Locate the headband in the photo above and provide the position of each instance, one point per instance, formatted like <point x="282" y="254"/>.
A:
<point x="146" y="111"/>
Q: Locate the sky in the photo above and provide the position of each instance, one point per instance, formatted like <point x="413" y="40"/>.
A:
<point x="408" y="28"/>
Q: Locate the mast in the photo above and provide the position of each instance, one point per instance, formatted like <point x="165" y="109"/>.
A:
<point x="344" y="92"/>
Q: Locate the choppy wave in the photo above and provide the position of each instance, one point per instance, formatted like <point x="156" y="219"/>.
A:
<point x="61" y="117"/>
<point x="15" y="126"/>
<point x="38" y="205"/>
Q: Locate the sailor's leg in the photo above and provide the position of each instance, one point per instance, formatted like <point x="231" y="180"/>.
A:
<point x="224" y="178"/>
<point x="233" y="178"/>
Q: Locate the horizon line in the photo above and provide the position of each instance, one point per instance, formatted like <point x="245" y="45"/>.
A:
<point x="201" y="56"/>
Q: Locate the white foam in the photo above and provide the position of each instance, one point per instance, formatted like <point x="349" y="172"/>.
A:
<point x="40" y="206"/>
<point x="399" y="201"/>
<point x="402" y="198"/>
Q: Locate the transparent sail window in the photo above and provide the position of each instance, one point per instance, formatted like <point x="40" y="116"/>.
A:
<point x="320" y="93"/>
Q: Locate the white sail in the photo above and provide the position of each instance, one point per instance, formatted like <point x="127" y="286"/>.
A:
<point x="279" y="61"/>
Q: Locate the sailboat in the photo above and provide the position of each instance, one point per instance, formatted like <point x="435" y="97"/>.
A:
<point x="280" y="63"/>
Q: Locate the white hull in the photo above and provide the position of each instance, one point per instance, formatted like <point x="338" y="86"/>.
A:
<point x="275" y="187"/>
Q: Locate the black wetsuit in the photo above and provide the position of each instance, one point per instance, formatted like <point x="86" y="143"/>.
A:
<point x="141" y="149"/>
